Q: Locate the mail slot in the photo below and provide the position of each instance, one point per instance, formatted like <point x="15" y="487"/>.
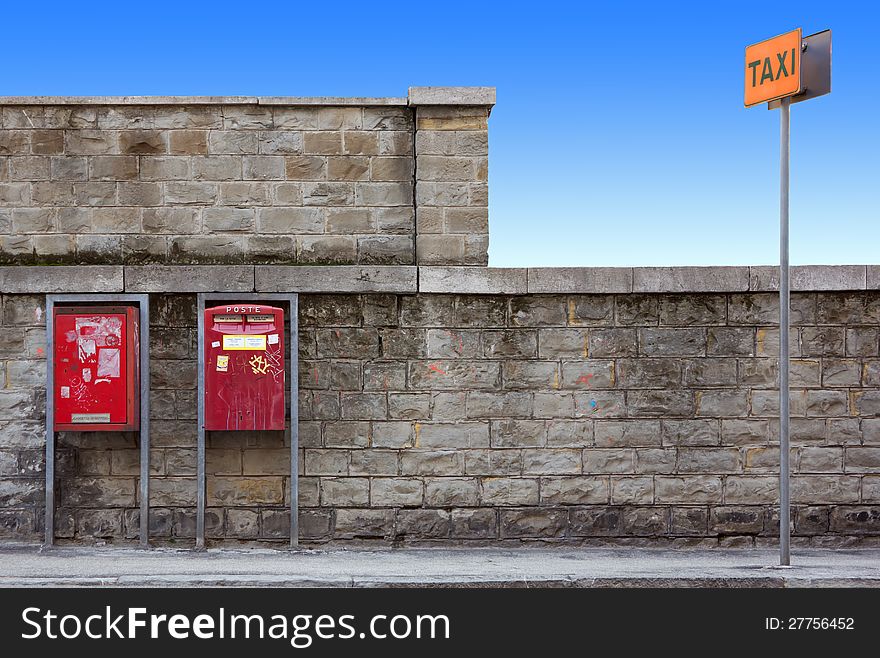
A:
<point x="95" y="362"/>
<point x="244" y="367"/>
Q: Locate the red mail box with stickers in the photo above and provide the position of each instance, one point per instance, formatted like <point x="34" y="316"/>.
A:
<point x="244" y="367"/>
<point x="96" y="359"/>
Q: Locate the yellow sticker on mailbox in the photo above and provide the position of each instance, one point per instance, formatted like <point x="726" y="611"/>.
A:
<point x="222" y="362"/>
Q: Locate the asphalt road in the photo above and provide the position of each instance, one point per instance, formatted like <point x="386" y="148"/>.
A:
<point x="30" y="566"/>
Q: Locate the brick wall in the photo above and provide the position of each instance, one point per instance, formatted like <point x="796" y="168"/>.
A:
<point x="626" y="418"/>
<point x="240" y="180"/>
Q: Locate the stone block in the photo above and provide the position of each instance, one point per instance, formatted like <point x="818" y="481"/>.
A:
<point x="632" y="490"/>
<point x="345" y="492"/>
<point x="512" y="433"/>
<point x="645" y="521"/>
<point x="546" y="461"/>
<point x="454" y="375"/>
<point x="449" y="344"/>
<point x="648" y="373"/>
<point x="337" y="279"/>
<point x="440" y="249"/>
<point x="827" y="403"/>
<point x="191" y="193"/>
<point x="364" y="406"/>
<point x="396" y="492"/>
<point x="422" y="524"/>
<point x="751" y="489"/>
<point x="481" y="96"/>
<point x="474" y="523"/>
<point x="89" y="142"/>
<point x="409" y="406"/>
<point x="690" y="279"/>
<point x="689" y="521"/>
<point x="502" y="491"/>
<point x="627" y="433"/>
<point x="690" y="432"/>
<point x="498" y="405"/>
<point x="815" y="489"/>
<point x="472" y="280"/>
<point x="736" y="520"/>
<point x="805" y="278"/>
<point x="201" y="278"/>
<point x="58" y="279"/>
<point x="493" y="462"/>
<point x="689" y="310"/>
<point x="596" y="521"/>
<point x="188" y="142"/>
<point x="722" y="403"/>
<point x="445" y="436"/>
<point x="385" y="250"/>
<point x="589" y="280"/>
<point x="373" y="462"/>
<point x="689" y="489"/>
<point x="608" y="460"/>
<point x="672" y="342"/>
<point x="232" y="142"/>
<point x="863" y="520"/>
<point x="763" y="309"/>
<point x="431" y="462"/>
<point x="536" y="523"/>
<point x="75" y="492"/>
<point x="709" y="460"/>
<point x="452" y="492"/>
<point x="576" y="490"/>
<point x="363" y="523"/>
<point x="660" y="403"/>
<point x="859" y="460"/>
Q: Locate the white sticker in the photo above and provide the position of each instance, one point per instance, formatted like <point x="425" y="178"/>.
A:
<point x="273" y="339"/>
<point x="233" y="342"/>
<point x="87" y="375"/>
<point x="65" y="391"/>
<point x="243" y="342"/>
<point x="215" y="343"/>
<point x="108" y="362"/>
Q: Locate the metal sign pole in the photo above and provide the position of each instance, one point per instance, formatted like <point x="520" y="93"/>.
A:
<point x="784" y="297"/>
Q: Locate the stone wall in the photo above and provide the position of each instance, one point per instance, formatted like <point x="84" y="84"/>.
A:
<point x="245" y="180"/>
<point x="645" y="417"/>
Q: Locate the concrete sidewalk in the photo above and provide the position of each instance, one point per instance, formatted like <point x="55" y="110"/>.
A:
<point x="29" y="566"/>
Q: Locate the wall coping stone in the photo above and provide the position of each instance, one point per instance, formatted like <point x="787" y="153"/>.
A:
<point x="452" y="96"/>
<point x="337" y="278"/>
<point x="200" y="100"/>
<point x="474" y="280"/>
<point x="811" y="277"/>
<point x="189" y="278"/>
<point x="408" y="279"/>
<point x="15" y="279"/>
<point x="590" y="280"/>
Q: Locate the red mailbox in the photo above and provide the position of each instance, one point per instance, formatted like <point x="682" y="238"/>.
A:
<point x="96" y="359"/>
<point x="244" y="367"/>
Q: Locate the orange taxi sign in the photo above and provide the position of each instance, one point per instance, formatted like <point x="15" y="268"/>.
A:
<point x="773" y="68"/>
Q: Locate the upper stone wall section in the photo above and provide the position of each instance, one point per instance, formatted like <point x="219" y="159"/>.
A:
<point x="245" y="180"/>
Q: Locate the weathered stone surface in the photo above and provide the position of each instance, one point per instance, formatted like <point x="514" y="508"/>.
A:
<point x="589" y="280"/>
<point x="451" y="96"/>
<point x="694" y="489"/>
<point x="61" y="279"/>
<point x="810" y="277"/>
<point x="537" y="522"/>
<point x="495" y="281"/>
<point x="317" y="279"/>
<point x="204" y="278"/>
<point x="690" y="279"/>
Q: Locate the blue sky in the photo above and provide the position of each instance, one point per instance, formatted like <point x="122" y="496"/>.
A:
<point x="619" y="137"/>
